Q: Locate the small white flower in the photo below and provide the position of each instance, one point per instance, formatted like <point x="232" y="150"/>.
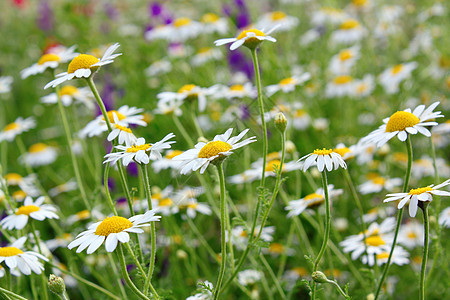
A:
<point x="296" y="207"/>
<point x="277" y="19"/>
<point x="342" y="62"/>
<point x="69" y="94"/>
<point x="399" y="257"/>
<point x="287" y="85"/>
<point x="376" y="184"/>
<point x="5" y="84"/>
<point x="17" y="127"/>
<point x="323" y="158"/>
<point x="49" y="60"/>
<point x="411" y="234"/>
<point x="26" y="261"/>
<point x="39" y="154"/>
<point x="250" y="38"/>
<point x="444" y="218"/>
<point x="391" y="78"/>
<point x="350" y="31"/>
<point x="122" y="132"/>
<point x="187" y="93"/>
<point x="248" y="277"/>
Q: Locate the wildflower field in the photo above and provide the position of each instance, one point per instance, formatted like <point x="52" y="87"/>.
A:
<point x="291" y="149"/>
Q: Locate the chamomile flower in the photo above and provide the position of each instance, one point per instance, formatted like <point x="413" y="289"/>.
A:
<point x="212" y="152"/>
<point x="49" y="60"/>
<point x="340" y="86"/>
<point x="287" y="85"/>
<point x="159" y="67"/>
<point x="84" y="66"/>
<point x="342" y="62"/>
<point x="402" y="123"/>
<point x="140" y="151"/>
<point x="399" y="257"/>
<point x="424" y="194"/>
<point x="27" y="262"/>
<point x="168" y="107"/>
<point x="250" y="38"/>
<point x="313" y="200"/>
<point x="192" y="207"/>
<point x="444" y="218"/>
<point x="70" y="185"/>
<point x="323" y="158"/>
<point x="376" y="184"/>
<point x="5" y="84"/>
<point x="378" y="212"/>
<point x="423" y="167"/>
<point x="391" y="78"/>
<point x="239" y="235"/>
<point x="111" y="231"/>
<point x="189" y="93"/>
<point x="70" y="94"/>
<point x="167" y="161"/>
<point x="236" y="91"/>
<point x="206" y="291"/>
<point x="19" y="126"/>
<point x="300" y="119"/>
<point x="344" y="151"/>
<point x="350" y="31"/>
<point x="326" y="15"/>
<point x="121" y="132"/>
<point x="277" y="19"/>
<point x="204" y="55"/>
<point x="30" y="209"/>
<point x="182" y="29"/>
<point x="363" y="87"/>
<point x="273" y="165"/>
<point x="411" y="234"/>
<point x="39" y="154"/>
<point x="27" y="183"/>
<point x="249" y="277"/>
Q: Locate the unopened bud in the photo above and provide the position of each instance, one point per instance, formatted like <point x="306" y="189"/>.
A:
<point x="370" y="297"/>
<point x="290" y="147"/>
<point x="56" y="284"/>
<point x="280" y="122"/>
<point x="181" y="254"/>
<point x="319" y="277"/>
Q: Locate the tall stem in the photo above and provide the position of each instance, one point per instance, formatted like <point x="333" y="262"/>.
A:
<point x="426" y="228"/>
<point x="222" y="231"/>
<point x="327" y="229"/>
<point x="399" y="216"/>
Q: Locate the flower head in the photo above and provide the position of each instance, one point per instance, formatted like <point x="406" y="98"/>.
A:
<point x="17" y="127"/>
<point x="49" y="60"/>
<point x="26" y="261"/>
<point x="251" y="38"/>
<point x="323" y="158"/>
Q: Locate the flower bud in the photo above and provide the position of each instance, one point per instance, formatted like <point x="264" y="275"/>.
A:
<point x="290" y="147"/>
<point x="319" y="277"/>
<point x="181" y="254"/>
<point x="56" y="284"/>
<point x="280" y="122"/>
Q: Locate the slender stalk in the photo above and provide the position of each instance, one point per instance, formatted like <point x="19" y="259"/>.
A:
<point x="108" y="195"/>
<point x="327" y="230"/>
<point x="136" y="261"/>
<point x="426" y="241"/>
<point x="217" y="290"/>
<point x="273" y="276"/>
<point x="399" y="217"/>
<point x="339" y="289"/>
<point x="11" y="294"/>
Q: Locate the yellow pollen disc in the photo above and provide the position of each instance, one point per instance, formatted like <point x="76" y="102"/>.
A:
<point x="83" y="215"/>
<point x="243" y="34"/>
<point x="313" y="196"/>
<point x="287" y="81"/>
<point x="273" y="155"/>
<point x="277" y="15"/>
<point x="400" y="120"/>
<point x="361" y="88"/>
<point x="165" y="202"/>
<point x="343" y="79"/>
<point x="48" y="57"/>
<point x="113" y="225"/>
<point x="214" y="148"/>
<point x="11" y="126"/>
<point x="135" y="148"/>
<point x="383" y="255"/>
<point x="68" y="90"/>
<point x="412" y="235"/>
<point x="12" y="178"/>
<point x="419" y="191"/>
<point x="345" y="55"/>
<point x="192" y="205"/>
<point x="122" y="128"/>
<point x="379" y="180"/>
<point x="209" y="18"/>
<point x="19" y="195"/>
<point x="372" y="211"/>
<point x="27" y="209"/>
<point x="111" y="115"/>
<point x="341" y="151"/>
<point x="299" y="113"/>
<point x="181" y="22"/>
<point x="37" y="148"/>
<point x="359" y="2"/>
<point x="204" y="50"/>
<point x="237" y="88"/>
<point x="82" y="61"/>
<point x="300" y="271"/>
<point x="276" y="248"/>
<point x="375" y="241"/>
<point x="397" y="68"/>
<point x="9" y="251"/>
<point x="272" y="165"/>
<point x="173" y="153"/>
<point x="349" y="24"/>
<point x="186" y="88"/>
<point x="177" y="239"/>
<point x="323" y="151"/>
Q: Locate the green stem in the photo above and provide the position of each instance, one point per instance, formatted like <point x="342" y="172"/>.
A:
<point x="339" y="289"/>
<point x="105" y="183"/>
<point x="399" y="217"/>
<point x="11" y="294"/>
<point x="223" y="202"/>
<point x="273" y="276"/>
<point x="136" y="261"/>
<point x="426" y="228"/>
<point x="327" y="229"/>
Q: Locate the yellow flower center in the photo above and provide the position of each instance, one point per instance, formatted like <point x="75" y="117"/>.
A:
<point x="287" y="81"/>
<point x="379" y="180"/>
<point x="214" y="148"/>
<point x="9" y="251"/>
<point x="113" y="225"/>
<point x="68" y="90"/>
<point x="272" y="166"/>
<point x="276" y="248"/>
<point x="383" y="255"/>
<point x="204" y="50"/>
<point x="375" y="241"/>
<point x="111" y="115"/>
<point x="323" y="151"/>
<point x="122" y="128"/>
<point x="400" y="157"/>
<point x="181" y="22"/>
<point x="400" y="120"/>
<point x="412" y="235"/>
<point x="313" y="196"/>
<point x="361" y="88"/>
<point x="419" y="191"/>
<point x="37" y="148"/>
<point x="343" y="79"/>
<point x="19" y="195"/>
<point x="11" y="126"/>
<point x="341" y="151"/>
<point x="299" y="113"/>
<point x="345" y="55"/>
<point x="82" y="61"/>
<point x="273" y="155"/>
<point x="186" y="88"/>
<point x="173" y="153"/>
<point x="12" y="178"/>
<point x="209" y="18"/>
<point x="83" y="215"/>
<point x="27" y="209"/>
<point x="237" y="88"/>
<point x="136" y="148"/>
<point x="243" y="233"/>
<point x="48" y="57"/>
<point x="277" y="15"/>
<point x="300" y="271"/>
<point x="397" y="68"/>
<point x="243" y="34"/>
<point x="359" y="2"/>
<point x="349" y="24"/>
<point x="165" y="202"/>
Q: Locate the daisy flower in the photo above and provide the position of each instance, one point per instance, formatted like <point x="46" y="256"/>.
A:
<point x="323" y="158"/>
<point x="402" y="123"/>
<point x="239" y="235"/>
<point x="70" y="185"/>
<point x="249" y="277"/>
<point x="363" y="87"/>
<point x="159" y="67"/>
<point x="121" y="132"/>
<point x="411" y="234"/>
<point x="378" y="212"/>
<point x="14" y="257"/>
<point x="399" y="257"/>
<point x="182" y="29"/>
<point x="391" y="78"/>
<point x="250" y="38"/>
<point x="168" y="107"/>
<point x="340" y="86"/>
<point x="5" y="84"/>
<point x="300" y="119"/>
<point x="277" y="19"/>
<point x="69" y="94"/>
<point x="236" y="91"/>
<point x="111" y="231"/>
<point x="84" y="66"/>
<point x="213" y="23"/>
<point x="191" y="207"/>
<point x="189" y="93"/>
<point x="49" y="60"/>
<point x="167" y="161"/>
<point x="326" y="15"/>
<point x="19" y="126"/>
<point x="212" y="152"/>
<point x="27" y="183"/>
<point x="204" y="55"/>
<point x="444" y="218"/>
<point x="313" y="200"/>
<point x="344" y="151"/>
<point x="350" y="31"/>
<point x="140" y="151"/>
<point x="39" y="154"/>
<point x="31" y="209"/>
<point x="413" y="197"/>
<point x="342" y="62"/>
<point x="287" y="85"/>
<point x="376" y="184"/>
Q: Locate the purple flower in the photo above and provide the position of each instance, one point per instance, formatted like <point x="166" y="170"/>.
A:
<point x="239" y="63"/>
<point x="132" y="169"/>
<point x="155" y="9"/>
<point x="111" y="11"/>
<point x="45" y="20"/>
